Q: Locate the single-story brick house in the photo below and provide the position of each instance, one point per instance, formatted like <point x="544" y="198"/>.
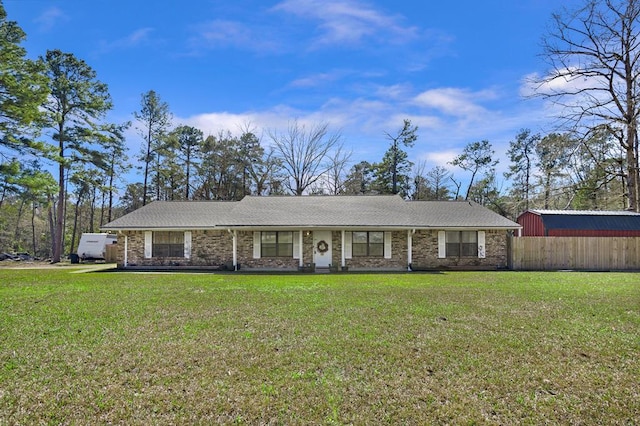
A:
<point x="325" y="232"/>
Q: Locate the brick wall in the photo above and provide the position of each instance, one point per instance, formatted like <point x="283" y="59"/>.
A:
<point x="208" y="248"/>
<point x="246" y="260"/>
<point x="398" y="259"/>
<point x="215" y="248"/>
<point x="425" y="252"/>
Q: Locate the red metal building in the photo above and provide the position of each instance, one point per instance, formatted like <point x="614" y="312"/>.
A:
<point x="579" y="223"/>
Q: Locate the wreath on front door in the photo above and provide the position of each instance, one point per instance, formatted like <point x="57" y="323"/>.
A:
<point x="323" y="247"/>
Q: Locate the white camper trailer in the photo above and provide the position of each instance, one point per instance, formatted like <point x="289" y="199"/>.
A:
<point x="93" y="246"/>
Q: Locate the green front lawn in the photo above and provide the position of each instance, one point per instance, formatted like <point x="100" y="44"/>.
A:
<point x="466" y="347"/>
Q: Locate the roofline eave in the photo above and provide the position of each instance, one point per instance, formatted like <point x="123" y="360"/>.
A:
<point x="309" y="227"/>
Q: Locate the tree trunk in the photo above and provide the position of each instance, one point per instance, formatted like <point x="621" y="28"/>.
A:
<point x="57" y="237"/>
<point x="52" y="227"/>
<point x="111" y="173"/>
<point x="473" y="176"/>
<point x="75" y="220"/>
<point x="633" y="179"/>
<point x="17" y="233"/>
<point x="92" y="211"/>
<point x="147" y="160"/>
<point x="33" y="228"/>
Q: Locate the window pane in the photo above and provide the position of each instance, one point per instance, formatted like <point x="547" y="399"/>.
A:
<point x="268" y="250"/>
<point x="176" y="250"/>
<point x="453" y="249"/>
<point x="453" y="237"/>
<point x="469" y="237"/>
<point x="376" y="250"/>
<point x="469" y="249"/>
<point x="161" y="238"/>
<point x="376" y="237"/>
<point x="269" y="237"/>
<point x="359" y="237"/>
<point x="176" y="237"/>
<point x="285" y="237"/>
<point x="285" y="249"/>
<point x="160" y="250"/>
<point x="359" y="250"/>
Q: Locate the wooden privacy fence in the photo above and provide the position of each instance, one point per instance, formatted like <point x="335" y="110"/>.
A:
<point x="111" y="253"/>
<point x="585" y="253"/>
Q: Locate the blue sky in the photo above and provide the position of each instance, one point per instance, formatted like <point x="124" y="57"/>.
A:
<point x="457" y="69"/>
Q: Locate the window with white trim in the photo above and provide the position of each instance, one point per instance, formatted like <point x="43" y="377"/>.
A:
<point x="168" y="244"/>
<point x="276" y="244"/>
<point x="461" y="243"/>
<point x="367" y="243"/>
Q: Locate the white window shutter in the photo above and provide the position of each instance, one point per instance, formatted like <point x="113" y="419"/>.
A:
<point x="148" y="244"/>
<point x="187" y="244"/>
<point x="256" y="245"/>
<point x="442" y="244"/>
<point x="347" y="245"/>
<point x="481" y="245"/>
<point x="387" y="245"/>
<point x="296" y="245"/>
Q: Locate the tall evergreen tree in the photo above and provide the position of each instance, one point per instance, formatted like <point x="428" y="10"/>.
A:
<point x="359" y="180"/>
<point x="76" y="102"/>
<point x="23" y="87"/>
<point x="475" y="158"/>
<point x="187" y="141"/>
<point x="522" y="152"/>
<point x="552" y="153"/>
<point x="392" y="173"/>
<point x="154" y="120"/>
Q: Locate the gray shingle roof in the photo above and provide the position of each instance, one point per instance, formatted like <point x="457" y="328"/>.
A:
<point x="175" y="214"/>
<point x="456" y="214"/>
<point x="322" y="211"/>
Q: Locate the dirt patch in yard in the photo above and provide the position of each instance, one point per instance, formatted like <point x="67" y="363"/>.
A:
<point x="72" y="267"/>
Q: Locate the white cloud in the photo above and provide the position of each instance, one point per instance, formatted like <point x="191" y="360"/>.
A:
<point x="50" y="18"/>
<point x="440" y="158"/>
<point x="318" y="79"/>
<point x="454" y="101"/>
<point x="221" y="33"/>
<point x="134" y="39"/>
<point x="215" y="122"/>
<point x="348" y="22"/>
<point x="560" y="82"/>
<point x="448" y="119"/>
<point x="396" y="91"/>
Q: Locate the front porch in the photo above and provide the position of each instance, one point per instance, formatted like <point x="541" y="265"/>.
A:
<point x="307" y="250"/>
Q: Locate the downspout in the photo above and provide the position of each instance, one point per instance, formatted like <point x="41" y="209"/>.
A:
<point x="410" y="233"/>
<point x="125" y="261"/>
<point x="342" y="261"/>
<point x="300" y="250"/>
<point x="235" y="248"/>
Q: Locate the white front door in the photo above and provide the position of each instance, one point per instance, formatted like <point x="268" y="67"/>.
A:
<point x="322" y="248"/>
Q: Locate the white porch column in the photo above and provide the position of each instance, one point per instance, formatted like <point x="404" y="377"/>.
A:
<point x="300" y="248"/>
<point x="410" y="248"/>
<point x="125" y="261"/>
<point x="342" y="260"/>
<point x="235" y="250"/>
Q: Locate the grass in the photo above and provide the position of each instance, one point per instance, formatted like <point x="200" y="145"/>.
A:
<point x="462" y="348"/>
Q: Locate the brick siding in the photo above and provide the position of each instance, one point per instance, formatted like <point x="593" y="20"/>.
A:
<point x="215" y="248"/>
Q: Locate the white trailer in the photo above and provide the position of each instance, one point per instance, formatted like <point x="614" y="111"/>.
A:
<point x="93" y="246"/>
